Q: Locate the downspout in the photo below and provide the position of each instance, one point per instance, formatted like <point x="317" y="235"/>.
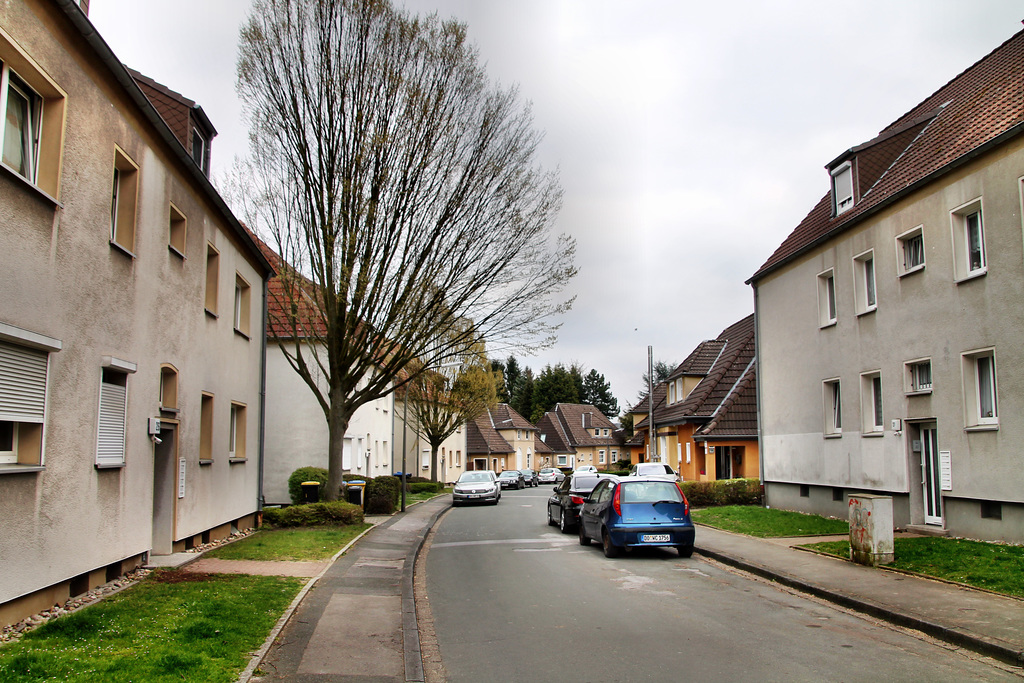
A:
<point x="757" y="369"/>
<point x="263" y="397"/>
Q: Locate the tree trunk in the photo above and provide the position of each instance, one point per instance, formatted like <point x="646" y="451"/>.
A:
<point x="433" y="462"/>
<point x="337" y="425"/>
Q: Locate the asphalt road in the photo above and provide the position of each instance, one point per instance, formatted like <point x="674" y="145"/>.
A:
<point x="512" y="599"/>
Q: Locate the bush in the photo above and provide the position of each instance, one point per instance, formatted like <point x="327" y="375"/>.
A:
<point x="704" y="494"/>
<point x="382" y="494"/>
<point x="305" y="474"/>
<point x="618" y="473"/>
<point x="426" y="487"/>
<point x="314" y="514"/>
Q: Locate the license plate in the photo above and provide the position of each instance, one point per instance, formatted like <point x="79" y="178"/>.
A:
<point x="655" y="538"/>
<point x="474" y="495"/>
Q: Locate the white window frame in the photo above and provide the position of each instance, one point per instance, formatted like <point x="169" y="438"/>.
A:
<point x="842" y="174"/>
<point x="903" y="250"/>
<point x="601" y="456"/>
<point x="828" y="313"/>
<point x="112" y="414"/>
<point x="865" y="283"/>
<point x="912" y="375"/>
<point x="11" y="80"/>
<point x="871" y="407"/>
<point x="832" y="400"/>
<point x="976" y="414"/>
<point x="962" y="229"/>
<point x="563" y="460"/>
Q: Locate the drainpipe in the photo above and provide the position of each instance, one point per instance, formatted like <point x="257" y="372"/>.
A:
<point x="651" y="431"/>
<point x="263" y="397"/>
<point x="757" y="371"/>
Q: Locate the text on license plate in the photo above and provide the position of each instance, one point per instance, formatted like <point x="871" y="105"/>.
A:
<point x="655" y="538"/>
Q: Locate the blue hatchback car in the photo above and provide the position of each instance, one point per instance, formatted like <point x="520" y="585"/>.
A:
<point x="635" y="512"/>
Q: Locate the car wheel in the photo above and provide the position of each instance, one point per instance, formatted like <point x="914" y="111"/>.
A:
<point x="685" y="551"/>
<point x="610" y="550"/>
<point x="551" y="520"/>
<point x="563" y="523"/>
<point x="584" y="539"/>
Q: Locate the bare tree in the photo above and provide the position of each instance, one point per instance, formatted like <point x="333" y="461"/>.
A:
<point x="403" y="191"/>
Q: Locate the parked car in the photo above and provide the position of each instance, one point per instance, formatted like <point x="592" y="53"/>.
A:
<point x="567" y="499"/>
<point x="480" y="486"/>
<point x="585" y="468"/>
<point x="634" y="512"/>
<point x="530" y="477"/>
<point x="654" y="470"/>
<point x="512" y="479"/>
<point x="550" y="475"/>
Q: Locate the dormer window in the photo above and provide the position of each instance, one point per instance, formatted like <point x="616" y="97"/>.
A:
<point x="199" y="147"/>
<point x="842" y="188"/>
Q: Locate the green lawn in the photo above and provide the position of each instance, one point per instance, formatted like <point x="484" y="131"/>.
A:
<point x="415" y="497"/>
<point x="309" y="544"/>
<point x="993" y="566"/>
<point x="173" y="626"/>
<point x="768" y="523"/>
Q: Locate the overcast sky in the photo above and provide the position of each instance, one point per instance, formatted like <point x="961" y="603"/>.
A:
<point x="690" y="138"/>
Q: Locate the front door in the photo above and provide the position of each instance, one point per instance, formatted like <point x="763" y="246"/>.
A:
<point x="930" y="477"/>
<point x="723" y="462"/>
<point x="165" y="488"/>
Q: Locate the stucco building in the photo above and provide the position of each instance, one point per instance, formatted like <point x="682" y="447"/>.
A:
<point x="501" y="439"/>
<point x="889" y="321"/>
<point x="580" y="434"/>
<point x="130" y="326"/>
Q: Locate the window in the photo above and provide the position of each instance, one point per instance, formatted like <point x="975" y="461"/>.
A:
<point x="601" y="457"/>
<point x="123" y="196"/>
<point x="32" y="124"/>
<point x="199" y="150"/>
<point x="206" y="430"/>
<point x="671" y="392"/>
<point x="842" y="189"/>
<point x="919" y="376"/>
<point x="176" y="235"/>
<point x="212" y="277"/>
<point x="562" y="461"/>
<point x="833" y="407"/>
<point x="242" y="305"/>
<point x="871" y="402"/>
<point x="980" y="391"/>
<point x="968" y="241"/>
<point x="236" y="438"/>
<point x="864" y="282"/>
<point x="110" y="442"/>
<point x="458" y="458"/>
<point x="23" y="389"/>
<point x="910" y="251"/>
<point x="168" y="388"/>
<point x="826" y="299"/>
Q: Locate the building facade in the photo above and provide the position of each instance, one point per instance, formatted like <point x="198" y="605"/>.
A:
<point x="130" y="345"/>
<point x="889" y="320"/>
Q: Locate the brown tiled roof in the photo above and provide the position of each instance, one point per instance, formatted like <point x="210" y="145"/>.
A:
<point x="556" y="438"/>
<point x="699" y="362"/>
<point x="539" y="446"/>
<point x="282" y="293"/>
<point x="577" y="418"/>
<point x="660" y="394"/>
<point x="482" y="437"/>
<point x="504" y="416"/>
<point x="175" y="109"/>
<point x="979" y="109"/>
<point x="736" y="416"/>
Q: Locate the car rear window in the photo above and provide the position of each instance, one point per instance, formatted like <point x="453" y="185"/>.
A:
<point x="650" y="492"/>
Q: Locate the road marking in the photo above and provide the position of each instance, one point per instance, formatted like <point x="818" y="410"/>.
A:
<point x="504" y="541"/>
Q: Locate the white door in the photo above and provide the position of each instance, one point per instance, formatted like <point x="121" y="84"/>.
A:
<point x="930" y="474"/>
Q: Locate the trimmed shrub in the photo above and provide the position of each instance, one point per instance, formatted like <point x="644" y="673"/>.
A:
<point x="382" y="495"/>
<point x="335" y="513"/>
<point x="305" y="474"/>
<point x="704" y="494"/>
<point x="426" y="487"/>
<point x="618" y="473"/>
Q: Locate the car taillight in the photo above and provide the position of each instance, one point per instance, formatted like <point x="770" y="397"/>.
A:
<point x="576" y="500"/>
<point x="686" y="503"/>
<point x="616" y="503"/>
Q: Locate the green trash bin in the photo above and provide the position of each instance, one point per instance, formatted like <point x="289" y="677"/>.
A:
<point x="310" y="491"/>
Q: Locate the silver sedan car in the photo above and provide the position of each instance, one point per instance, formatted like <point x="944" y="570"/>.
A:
<point x="480" y="486"/>
<point x="550" y="475"/>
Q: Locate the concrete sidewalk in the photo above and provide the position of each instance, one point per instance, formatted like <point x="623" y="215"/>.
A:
<point x="358" y="620"/>
<point x="977" y="620"/>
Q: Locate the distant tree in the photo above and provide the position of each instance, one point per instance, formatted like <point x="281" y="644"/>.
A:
<point x="576" y="372"/>
<point x="512" y="374"/>
<point x="554" y="385"/>
<point x="498" y="368"/>
<point x="662" y="370"/>
<point x="598" y="393"/>
<point x="445" y="399"/>
<point x="405" y="192"/>
<point x="522" y="394"/>
<point x="626" y="424"/>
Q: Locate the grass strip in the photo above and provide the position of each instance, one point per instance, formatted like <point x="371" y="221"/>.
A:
<point x="993" y="566"/>
<point x="173" y="626"/>
<point x="424" y="495"/>
<point x="301" y="544"/>
<point x="768" y="523"/>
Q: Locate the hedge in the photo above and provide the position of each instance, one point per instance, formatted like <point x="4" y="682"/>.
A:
<point x="314" y="514"/>
<point x="305" y="474"/>
<point x="382" y="494"/>
<point x="426" y="487"/>
<point x="703" y="494"/>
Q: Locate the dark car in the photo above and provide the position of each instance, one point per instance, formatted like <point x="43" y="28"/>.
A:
<point x="530" y="477"/>
<point x="567" y="499"/>
<point x="512" y="479"/>
<point x="635" y="512"/>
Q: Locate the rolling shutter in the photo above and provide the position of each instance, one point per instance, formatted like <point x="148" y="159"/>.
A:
<point x="22" y="384"/>
<point x="110" y="446"/>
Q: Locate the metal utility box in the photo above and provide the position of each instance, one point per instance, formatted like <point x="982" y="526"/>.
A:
<point x="871" y="537"/>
